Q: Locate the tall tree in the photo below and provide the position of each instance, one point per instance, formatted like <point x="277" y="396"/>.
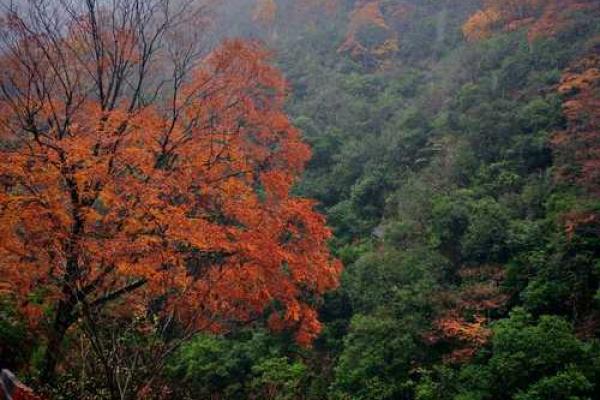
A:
<point x="138" y="175"/>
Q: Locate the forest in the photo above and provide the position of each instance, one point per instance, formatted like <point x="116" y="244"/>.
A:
<point x="300" y="199"/>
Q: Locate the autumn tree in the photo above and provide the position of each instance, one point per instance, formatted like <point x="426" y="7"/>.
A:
<point x="576" y="148"/>
<point x="463" y="323"/>
<point x="142" y="176"/>
<point x="369" y="37"/>
<point x="269" y="14"/>
<point x="541" y="18"/>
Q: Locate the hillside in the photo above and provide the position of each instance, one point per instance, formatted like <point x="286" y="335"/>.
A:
<point x="455" y="156"/>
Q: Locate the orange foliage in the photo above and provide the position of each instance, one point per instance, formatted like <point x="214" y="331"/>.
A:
<point x="577" y="149"/>
<point x="265" y="11"/>
<point x="368" y="15"/>
<point x="541" y="17"/>
<point x="110" y="203"/>
<point x="577" y="221"/>
<point x="556" y="15"/>
<point x="464" y="323"/>
<point x="480" y="25"/>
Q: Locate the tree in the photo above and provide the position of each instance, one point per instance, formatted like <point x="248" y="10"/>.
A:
<point x="369" y="37"/>
<point x="534" y="360"/>
<point x="141" y="177"/>
<point x="392" y="295"/>
<point x="542" y="18"/>
<point x="467" y="311"/>
<point x="576" y="148"/>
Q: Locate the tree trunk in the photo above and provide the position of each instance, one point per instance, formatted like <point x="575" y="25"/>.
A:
<point x="62" y="322"/>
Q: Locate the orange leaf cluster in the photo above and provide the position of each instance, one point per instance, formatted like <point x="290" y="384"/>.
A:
<point x="368" y="15"/>
<point x="575" y="221"/>
<point x="108" y="203"/>
<point x="464" y="323"/>
<point x="542" y="18"/>
<point x="577" y="149"/>
<point x="266" y="12"/>
<point x="479" y="25"/>
<point x="556" y="16"/>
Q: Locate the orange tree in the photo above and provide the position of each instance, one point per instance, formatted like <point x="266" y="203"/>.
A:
<point x="540" y="18"/>
<point x="140" y="174"/>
